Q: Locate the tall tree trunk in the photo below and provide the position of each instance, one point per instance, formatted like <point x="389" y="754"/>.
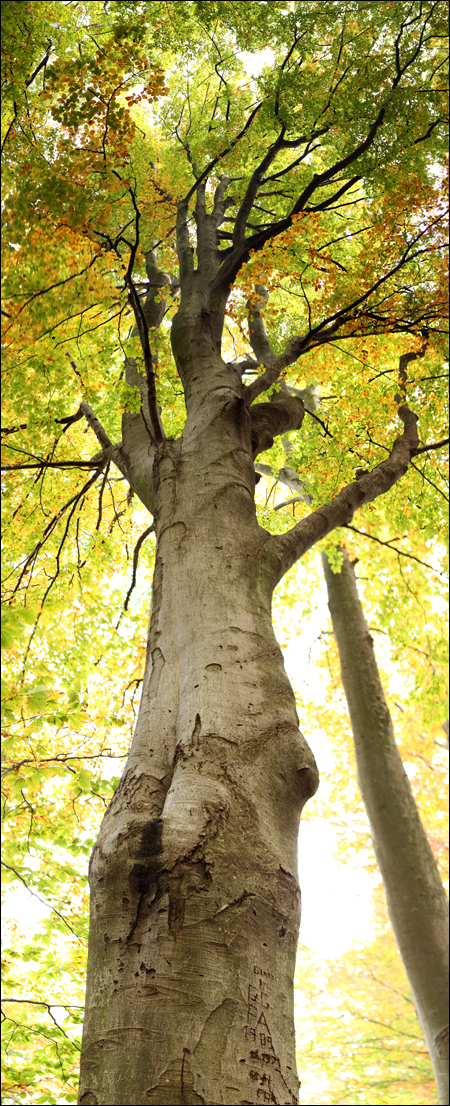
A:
<point x="417" y="903"/>
<point x="195" y="904"/>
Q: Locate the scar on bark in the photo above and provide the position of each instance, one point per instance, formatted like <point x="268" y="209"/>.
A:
<point x="188" y="876"/>
<point x="441" y="1040"/>
<point x="178" y="1075"/>
<point x="196" y="732"/>
<point x="142" y="875"/>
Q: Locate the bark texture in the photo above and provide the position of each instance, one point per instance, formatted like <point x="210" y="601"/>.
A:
<point x="194" y="894"/>
<point x="195" y="904"/>
<point x="416" y="899"/>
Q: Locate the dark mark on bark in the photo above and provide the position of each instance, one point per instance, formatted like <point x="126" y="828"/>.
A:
<point x="176" y="1081"/>
<point x="196" y="731"/>
<point x="176" y="913"/>
<point x="441" y="1040"/>
<point x="144" y="874"/>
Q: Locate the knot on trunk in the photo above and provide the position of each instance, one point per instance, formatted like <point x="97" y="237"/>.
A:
<point x="284" y="412"/>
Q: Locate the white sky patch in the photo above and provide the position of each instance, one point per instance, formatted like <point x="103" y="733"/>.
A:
<point x="336" y="898"/>
<point x="254" y="63"/>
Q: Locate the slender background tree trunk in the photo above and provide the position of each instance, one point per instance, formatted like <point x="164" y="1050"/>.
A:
<point x="416" y="899"/>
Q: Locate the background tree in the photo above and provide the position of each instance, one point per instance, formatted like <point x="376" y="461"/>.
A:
<point x="417" y="903"/>
<point x="358" y="1035"/>
<point x="339" y="137"/>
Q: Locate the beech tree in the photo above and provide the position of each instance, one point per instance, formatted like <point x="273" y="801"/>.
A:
<point x="164" y="210"/>
<point x="358" y="1033"/>
<point x="418" y="906"/>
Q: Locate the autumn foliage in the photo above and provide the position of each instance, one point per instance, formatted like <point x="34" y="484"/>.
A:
<point x="110" y="117"/>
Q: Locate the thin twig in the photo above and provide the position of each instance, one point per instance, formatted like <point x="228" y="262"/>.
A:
<point x="44" y="903"/>
<point x="427" y="478"/>
<point x="149" y="530"/>
<point x="48" y="1006"/>
<point x="394" y="549"/>
<point x="38" y="1002"/>
<point x="52" y="465"/>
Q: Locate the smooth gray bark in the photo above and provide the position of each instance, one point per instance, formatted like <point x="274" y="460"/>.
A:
<point x="417" y="904"/>
<point x="195" y="904"/>
<point x="194" y="892"/>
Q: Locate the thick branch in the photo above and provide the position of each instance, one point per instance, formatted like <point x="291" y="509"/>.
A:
<point x="243" y="366"/>
<point x="433" y="445"/>
<point x="208" y="256"/>
<point x="283" y="413"/>
<point x="220" y="203"/>
<point x="286" y="410"/>
<point x="112" y="452"/>
<point x="339" y="511"/>
<point x="240" y="225"/>
<point x="258" y="338"/>
<point x="298" y="345"/>
<point x="97" y="427"/>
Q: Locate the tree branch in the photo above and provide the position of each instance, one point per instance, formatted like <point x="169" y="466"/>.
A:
<point x="434" y="445"/>
<point x="323" y="332"/>
<point x="284" y="412"/>
<point x="207" y="172"/>
<point x="258" y="338"/>
<point x="317" y="181"/>
<point x="430" y="482"/>
<point x="38" y="1002"/>
<point x="242" y="216"/>
<point x="394" y="548"/>
<point x="220" y="203"/>
<point x="286" y="549"/>
<point x="51" y="526"/>
<point x="149" y="530"/>
<point x="157" y="430"/>
<point x="184" y="249"/>
<point x="112" y="452"/>
<point x="36" y="896"/>
<point x="48" y="1006"/>
<point x="94" y="464"/>
<point x="294" y="349"/>
<point x="41" y="65"/>
<point x="286" y="409"/>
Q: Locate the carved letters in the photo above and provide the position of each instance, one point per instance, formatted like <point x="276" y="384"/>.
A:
<point x="264" y="1071"/>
